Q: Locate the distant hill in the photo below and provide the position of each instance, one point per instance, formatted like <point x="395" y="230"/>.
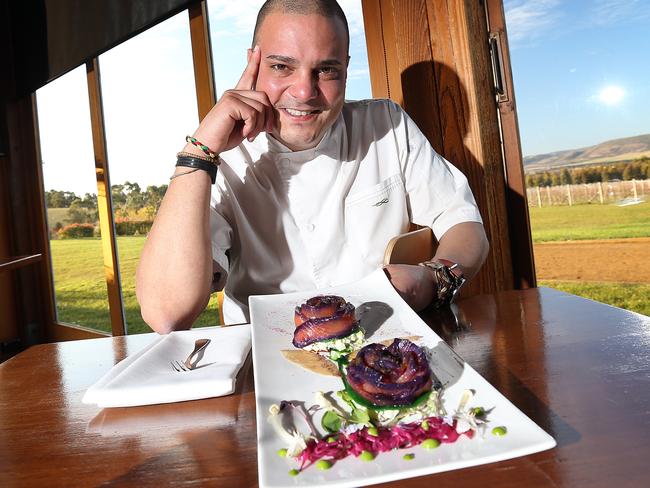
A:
<point x="616" y="150"/>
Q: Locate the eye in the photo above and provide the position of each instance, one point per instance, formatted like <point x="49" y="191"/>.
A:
<point x="279" y="67"/>
<point x="328" y="72"/>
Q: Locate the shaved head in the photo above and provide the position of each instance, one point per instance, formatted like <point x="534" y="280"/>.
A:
<point x="325" y="8"/>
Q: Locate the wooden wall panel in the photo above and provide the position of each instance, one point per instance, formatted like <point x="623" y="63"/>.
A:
<point x="8" y="323"/>
<point x="32" y="286"/>
<point x="437" y="65"/>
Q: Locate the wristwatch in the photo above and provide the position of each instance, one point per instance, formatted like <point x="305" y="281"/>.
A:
<point x="449" y="280"/>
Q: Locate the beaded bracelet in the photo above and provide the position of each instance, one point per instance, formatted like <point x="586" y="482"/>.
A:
<point x="201" y="146"/>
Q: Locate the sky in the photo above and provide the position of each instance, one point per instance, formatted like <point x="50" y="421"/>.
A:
<point x="580" y="71"/>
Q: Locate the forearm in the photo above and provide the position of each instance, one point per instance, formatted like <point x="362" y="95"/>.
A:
<point x="175" y="270"/>
<point x="465" y="244"/>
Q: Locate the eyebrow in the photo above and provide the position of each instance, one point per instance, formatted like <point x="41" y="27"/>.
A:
<point x="293" y="61"/>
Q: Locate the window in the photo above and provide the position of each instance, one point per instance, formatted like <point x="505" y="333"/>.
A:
<point x="582" y="104"/>
<point x="149" y="106"/>
<point x="70" y="190"/>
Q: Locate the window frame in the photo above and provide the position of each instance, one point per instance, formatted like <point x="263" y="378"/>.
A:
<point x="205" y="97"/>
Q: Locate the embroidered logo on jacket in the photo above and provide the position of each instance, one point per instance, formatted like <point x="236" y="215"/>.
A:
<point x="380" y="202"/>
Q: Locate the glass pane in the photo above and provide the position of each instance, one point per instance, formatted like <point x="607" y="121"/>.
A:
<point x="583" y="100"/>
<point x="70" y="192"/>
<point x="149" y="107"/>
<point x="231" y="34"/>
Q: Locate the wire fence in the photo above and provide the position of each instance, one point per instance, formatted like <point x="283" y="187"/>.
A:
<point x="619" y="192"/>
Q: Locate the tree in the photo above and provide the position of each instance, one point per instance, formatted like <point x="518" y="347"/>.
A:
<point x="78" y="214"/>
<point x="152" y="198"/>
<point x="565" y="177"/>
<point x="59" y="199"/>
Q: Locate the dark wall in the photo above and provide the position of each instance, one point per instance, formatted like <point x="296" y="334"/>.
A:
<point x="52" y="37"/>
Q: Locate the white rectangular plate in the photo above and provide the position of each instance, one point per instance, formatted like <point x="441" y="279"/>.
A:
<point x="383" y="315"/>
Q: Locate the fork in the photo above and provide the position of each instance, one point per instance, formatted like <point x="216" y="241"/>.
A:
<point x="188" y="364"/>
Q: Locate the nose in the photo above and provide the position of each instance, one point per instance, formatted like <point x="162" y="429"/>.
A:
<point x="304" y="86"/>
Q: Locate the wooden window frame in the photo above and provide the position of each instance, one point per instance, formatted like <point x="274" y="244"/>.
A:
<point x="205" y="95"/>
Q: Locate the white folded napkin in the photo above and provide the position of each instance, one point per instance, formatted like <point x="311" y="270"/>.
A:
<point x="147" y="377"/>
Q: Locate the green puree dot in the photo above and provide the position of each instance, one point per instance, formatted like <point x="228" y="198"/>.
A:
<point x="408" y="456"/>
<point x="294" y="472"/>
<point x="282" y="452"/>
<point x="323" y="465"/>
<point x="367" y="456"/>
<point x="431" y="443"/>
<point x="499" y="431"/>
<point x="373" y="431"/>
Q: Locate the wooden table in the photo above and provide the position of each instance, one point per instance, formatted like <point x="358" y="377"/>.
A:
<point x="579" y="369"/>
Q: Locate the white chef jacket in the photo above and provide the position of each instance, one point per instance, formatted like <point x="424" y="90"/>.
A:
<point x="285" y="221"/>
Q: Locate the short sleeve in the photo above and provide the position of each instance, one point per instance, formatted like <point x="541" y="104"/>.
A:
<point x="438" y="193"/>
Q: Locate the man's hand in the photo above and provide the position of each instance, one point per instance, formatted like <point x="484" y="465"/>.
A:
<point x="415" y="284"/>
<point x="240" y="113"/>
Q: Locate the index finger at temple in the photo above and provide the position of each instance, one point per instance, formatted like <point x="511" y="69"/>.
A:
<point x="249" y="77"/>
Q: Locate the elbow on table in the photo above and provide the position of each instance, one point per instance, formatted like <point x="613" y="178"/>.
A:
<point x="165" y="317"/>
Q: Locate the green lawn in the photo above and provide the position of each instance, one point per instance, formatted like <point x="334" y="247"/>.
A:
<point x="630" y="296"/>
<point x="564" y="223"/>
<point x="80" y="284"/>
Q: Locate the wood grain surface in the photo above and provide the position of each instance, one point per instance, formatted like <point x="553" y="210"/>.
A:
<point x="578" y="368"/>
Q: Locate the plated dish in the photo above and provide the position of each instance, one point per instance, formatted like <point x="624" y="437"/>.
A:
<point x="355" y="450"/>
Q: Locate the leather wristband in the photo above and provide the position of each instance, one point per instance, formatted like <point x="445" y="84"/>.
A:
<point x="201" y="164"/>
<point x="449" y="280"/>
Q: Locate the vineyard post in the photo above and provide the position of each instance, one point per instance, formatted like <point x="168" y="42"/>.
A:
<point x="600" y="192"/>
<point x="568" y="192"/>
<point x="634" y="189"/>
<point x="548" y="195"/>
<point x="539" y="197"/>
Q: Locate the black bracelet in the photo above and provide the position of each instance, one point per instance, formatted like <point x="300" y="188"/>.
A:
<point x="201" y="164"/>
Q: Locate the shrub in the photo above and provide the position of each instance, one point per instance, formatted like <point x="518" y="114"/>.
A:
<point x="76" y="231"/>
<point x="125" y="227"/>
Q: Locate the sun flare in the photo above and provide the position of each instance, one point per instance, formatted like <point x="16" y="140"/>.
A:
<point x="611" y="95"/>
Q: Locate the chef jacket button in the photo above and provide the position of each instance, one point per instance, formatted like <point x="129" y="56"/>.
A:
<point x="311" y="227"/>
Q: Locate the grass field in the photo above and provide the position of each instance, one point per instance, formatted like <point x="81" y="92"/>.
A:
<point x="564" y="223"/>
<point x="630" y="296"/>
<point x="80" y="284"/>
<point x="595" y="222"/>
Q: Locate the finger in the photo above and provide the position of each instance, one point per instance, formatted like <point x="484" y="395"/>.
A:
<point x="248" y="79"/>
<point x="270" y="119"/>
<point x="261" y="102"/>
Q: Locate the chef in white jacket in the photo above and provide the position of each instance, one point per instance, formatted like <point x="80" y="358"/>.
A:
<point x="309" y="188"/>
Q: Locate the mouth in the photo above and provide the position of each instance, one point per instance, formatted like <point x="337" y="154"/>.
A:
<point x="301" y="115"/>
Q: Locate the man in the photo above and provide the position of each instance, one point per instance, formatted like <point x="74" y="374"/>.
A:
<point x="310" y="188"/>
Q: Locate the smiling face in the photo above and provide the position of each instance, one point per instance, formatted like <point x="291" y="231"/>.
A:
<point x="303" y="71"/>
